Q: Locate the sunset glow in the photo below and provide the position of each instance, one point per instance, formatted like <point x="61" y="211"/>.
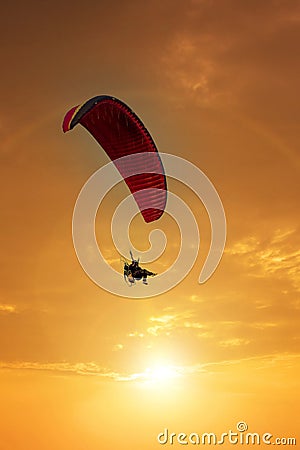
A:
<point x="217" y="84"/>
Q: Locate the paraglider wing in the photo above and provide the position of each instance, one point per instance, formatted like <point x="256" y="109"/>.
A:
<point x="121" y="133"/>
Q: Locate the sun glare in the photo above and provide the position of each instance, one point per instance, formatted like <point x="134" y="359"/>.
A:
<point x="160" y="373"/>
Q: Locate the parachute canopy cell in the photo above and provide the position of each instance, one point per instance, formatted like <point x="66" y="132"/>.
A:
<point x="121" y="133"/>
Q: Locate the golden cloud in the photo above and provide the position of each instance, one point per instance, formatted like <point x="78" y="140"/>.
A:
<point x="6" y="308"/>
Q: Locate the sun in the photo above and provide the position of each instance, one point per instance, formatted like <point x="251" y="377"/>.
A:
<point x="161" y="374"/>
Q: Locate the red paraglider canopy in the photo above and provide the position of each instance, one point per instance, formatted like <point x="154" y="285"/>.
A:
<point x="121" y="133"/>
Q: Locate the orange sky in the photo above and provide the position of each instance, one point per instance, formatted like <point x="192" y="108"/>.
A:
<point x="215" y="83"/>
